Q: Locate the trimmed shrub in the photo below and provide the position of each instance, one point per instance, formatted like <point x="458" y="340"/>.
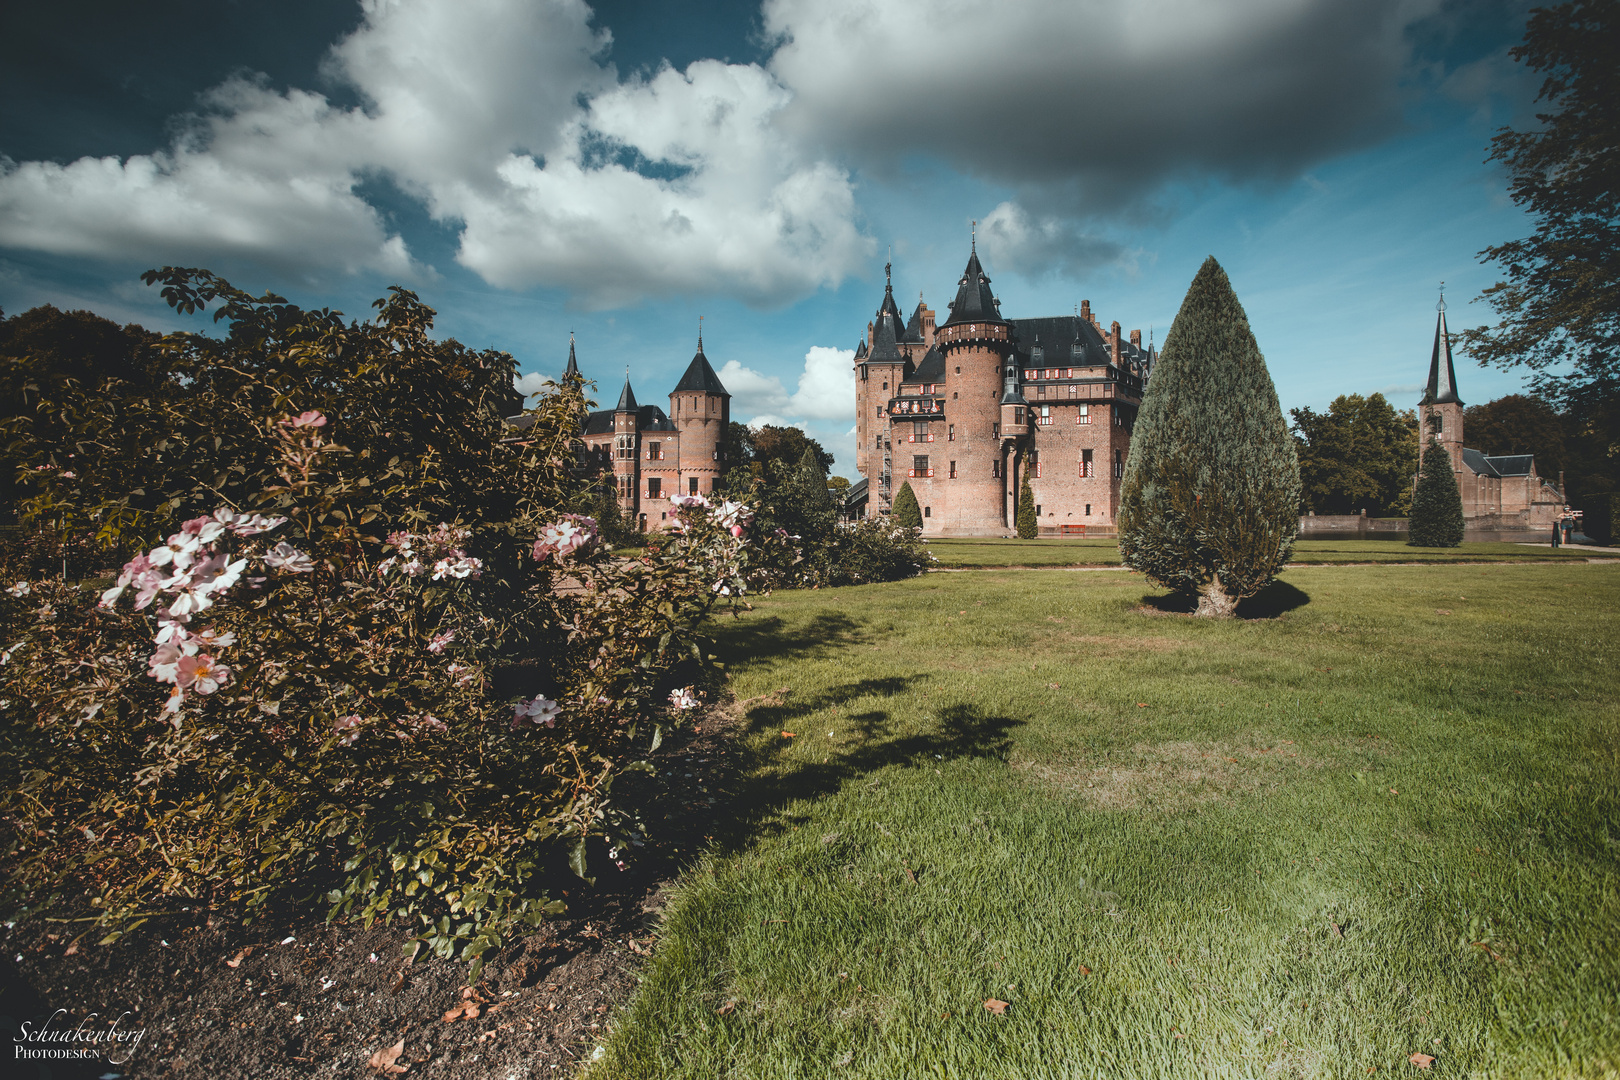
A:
<point x="1210" y="501"/>
<point x="1026" y="521"/>
<point x="1437" y="514"/>
<point x="907" y="513"/>
<point x="869" y="550"/>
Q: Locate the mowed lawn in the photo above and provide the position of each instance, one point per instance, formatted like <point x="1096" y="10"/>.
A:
<point x="967" y="554"/>
<point x="1382" y="824"/>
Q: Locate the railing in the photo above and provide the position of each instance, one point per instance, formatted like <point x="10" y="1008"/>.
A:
<point x="924" y="473"/>
<point x="920" y="438"/>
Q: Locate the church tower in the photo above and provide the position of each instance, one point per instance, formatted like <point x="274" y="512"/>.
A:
<point x="1441" y="408"/>
<point x="700" y="409"/>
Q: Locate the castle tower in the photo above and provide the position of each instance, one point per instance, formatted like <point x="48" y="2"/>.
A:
<point x="976" y="345"/>
<point x="700" y="409"/>
<point x="625" y="458"/>
<point x="880" y="368"/>
<point x="1441" y="408"/>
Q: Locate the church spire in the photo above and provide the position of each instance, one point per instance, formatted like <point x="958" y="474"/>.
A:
<point x="1442" y="387"/>
<point x="627" y="396"/>
<point x="572" y="370"/>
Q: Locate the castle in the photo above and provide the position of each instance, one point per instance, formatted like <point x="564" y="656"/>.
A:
<point x="653" y="455"/>
<point x="962" y="409"/>
<point x="1501" y="492"/>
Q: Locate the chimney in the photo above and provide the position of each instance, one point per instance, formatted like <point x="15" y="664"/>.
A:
<point x="1136" y="338"/>
<point x="1085" y="310"/>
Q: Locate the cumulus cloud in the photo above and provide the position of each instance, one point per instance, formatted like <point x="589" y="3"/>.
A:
<point x="1048" y="244"/>
<point x="826" y="390"/>
<point x="502" y="118"/>
<point x="1095" y="102"/>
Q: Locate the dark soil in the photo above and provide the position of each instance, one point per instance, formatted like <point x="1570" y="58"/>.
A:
<point x="309" y="998"/>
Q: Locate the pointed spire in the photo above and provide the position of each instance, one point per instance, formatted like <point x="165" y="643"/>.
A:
<point x="974" y="300"/>
<point x="888" y="304"/>
<point x="700" y="335"/>
<point x="627" y="397"/>
<point x="885" y="338"/>
<point x="1442" y="387"/>
<point x="572" y="370"/>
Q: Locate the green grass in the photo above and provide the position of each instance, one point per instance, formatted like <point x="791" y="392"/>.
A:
<point x="968" y="554"/>
<point x="1383" y="823"/>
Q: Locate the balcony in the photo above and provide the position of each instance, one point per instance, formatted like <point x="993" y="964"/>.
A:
<point x="920" y="438"/>
<point x="925" y="474"/>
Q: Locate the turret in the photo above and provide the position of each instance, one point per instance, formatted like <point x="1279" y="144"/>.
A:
<point x="700" y="408"/>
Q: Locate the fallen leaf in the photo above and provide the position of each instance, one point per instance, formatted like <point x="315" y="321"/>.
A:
<point x="1422" y="1061"/>
<point x="1141" y="704"/>
<point x="236" y="961"/>
<point x="1336" y="931"/>
<point x="996" y="1006"/>
<point x="71" y="949"/>
<point x="1439" y="611"/>
<point x="383" y="1060"/>
<point x="790" y="735"/>
<point x="639" y="950"/>
<point x="1392" y="791"/>
<point x="727" y="1007"/>
<point x="1052" y="686"/>
<point x="1084" y="970"/>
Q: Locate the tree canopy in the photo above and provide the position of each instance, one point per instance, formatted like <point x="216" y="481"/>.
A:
<point x="1359" y="455"/>
<point x="1559" y="302"/>
<point x="1518" y="424"/>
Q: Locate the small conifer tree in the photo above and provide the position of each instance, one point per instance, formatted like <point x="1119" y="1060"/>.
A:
<point x="906" y="510"/>
<point x="1437" y="514"/>
<point x="1210" y="501"/>
<point x="609" y="521"/>
<point x="1026" y="521"/>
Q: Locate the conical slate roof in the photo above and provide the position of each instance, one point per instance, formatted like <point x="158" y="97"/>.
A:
<point x="860" y="351"/>
<point x="572" y="370"/>
<point x="1442" y="388"/>
<point x="700" y="377"/>
<point x="914" y="326"/>
<point x="974" y="300"/>
<point x="884" y="349"/>
<point x="627" y="398"/>
<point x="888" y="306"/>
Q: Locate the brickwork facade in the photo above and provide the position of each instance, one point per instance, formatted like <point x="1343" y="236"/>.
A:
<point x="960" y="410"/>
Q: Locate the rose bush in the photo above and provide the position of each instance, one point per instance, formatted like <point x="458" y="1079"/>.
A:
<point x="337" y="673"/>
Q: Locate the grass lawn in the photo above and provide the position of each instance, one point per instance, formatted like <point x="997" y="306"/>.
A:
<point x="1382" y="824"/>
<point x="978" y="553"/>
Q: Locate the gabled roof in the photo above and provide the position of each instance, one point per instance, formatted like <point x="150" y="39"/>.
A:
<point x="1512" y="464"/>
<point x="627" y="398"/>
<point x="1479" y="463"/>
<point x="1442" y="388"/>
<point x="700" y="377"/>
<point x="974" y="301"/>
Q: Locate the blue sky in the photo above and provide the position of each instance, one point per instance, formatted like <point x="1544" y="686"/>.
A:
<point x="617" y="170"/>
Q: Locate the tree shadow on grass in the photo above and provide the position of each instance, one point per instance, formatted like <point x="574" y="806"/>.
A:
<point x="1271" y="602"/>
<point x="774" y="636"/>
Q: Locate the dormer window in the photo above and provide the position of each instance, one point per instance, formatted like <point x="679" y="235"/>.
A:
<point x="1077" y="352"/>
<point x="1037" y="355"/>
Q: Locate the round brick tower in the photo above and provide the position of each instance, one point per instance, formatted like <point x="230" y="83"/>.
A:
<point x="700" y="409"/>
<point x="975" y="343"/>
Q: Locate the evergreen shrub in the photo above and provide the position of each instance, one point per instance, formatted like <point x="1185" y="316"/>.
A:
<point x="1437" y="514"/>
<point x="907" y="513"/>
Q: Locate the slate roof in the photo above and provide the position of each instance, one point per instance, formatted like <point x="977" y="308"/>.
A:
<point x="648" y="418"/>
<point x="700" y="377"/>
<point x="1442" y="388"/>
<point x="914" y="326"/>
<point x="884" y="349"/>
<point x="974" y="301"/>
<point x="1479" y="463"/>
<point x="1056" y="336"/>
<point x="860" y="351"/>
<point x="573" y="365"/>
<point x="857" y="493"/>
<point x="931" y="370"/>
<point x="1512" y="464"/>
<point x="627" y="399"/>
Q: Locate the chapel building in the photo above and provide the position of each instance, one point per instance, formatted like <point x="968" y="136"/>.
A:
<point x="961" y="409"/>
<point x="1501" y="491"/>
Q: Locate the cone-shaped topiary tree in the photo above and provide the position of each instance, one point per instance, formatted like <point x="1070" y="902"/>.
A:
<point x="1210" y="502"/>
<point x="1437" y="514"/>
<point x="906" y="510"/>
<point x="1026" y="521"/>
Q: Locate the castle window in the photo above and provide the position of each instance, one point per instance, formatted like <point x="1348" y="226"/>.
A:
<point x="1040" y="391"/>
<point x="995" y="431"/>
<point x="995" y="469"/>
<point x="919" y="466"/>
<point x="1088" y="509"/>
<point x="1119" y="463"/>
<point x="1051" y="373"/>
<point x="1037" y="354"/>
<point x="959" y="369"/>
<point x="1084" y="415"/>
<point x="655" y="451"/>
<point x="1046" y="414"/>
<point x="1037" y="509"/>
<point x="655" y="487"/>
<point x="1018" y="416"/>
<point x="625" y="445"/>
<point x="1035" y="462"/>
<point x="885" y="386"/>
<point x="953" y="395"/>
<point x="953" y="470"/>
<point x="691" y="485"/>
<point x="950" y="434"/>
<point x="1085" y="466"/>
<point x="928" y="511"/>
<point x="1030" y="376"/>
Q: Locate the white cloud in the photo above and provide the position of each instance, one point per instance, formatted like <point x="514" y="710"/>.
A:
<point x="531" y="382"/>
<point x="826" y="389"/>
<point x="499" y="116"/>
